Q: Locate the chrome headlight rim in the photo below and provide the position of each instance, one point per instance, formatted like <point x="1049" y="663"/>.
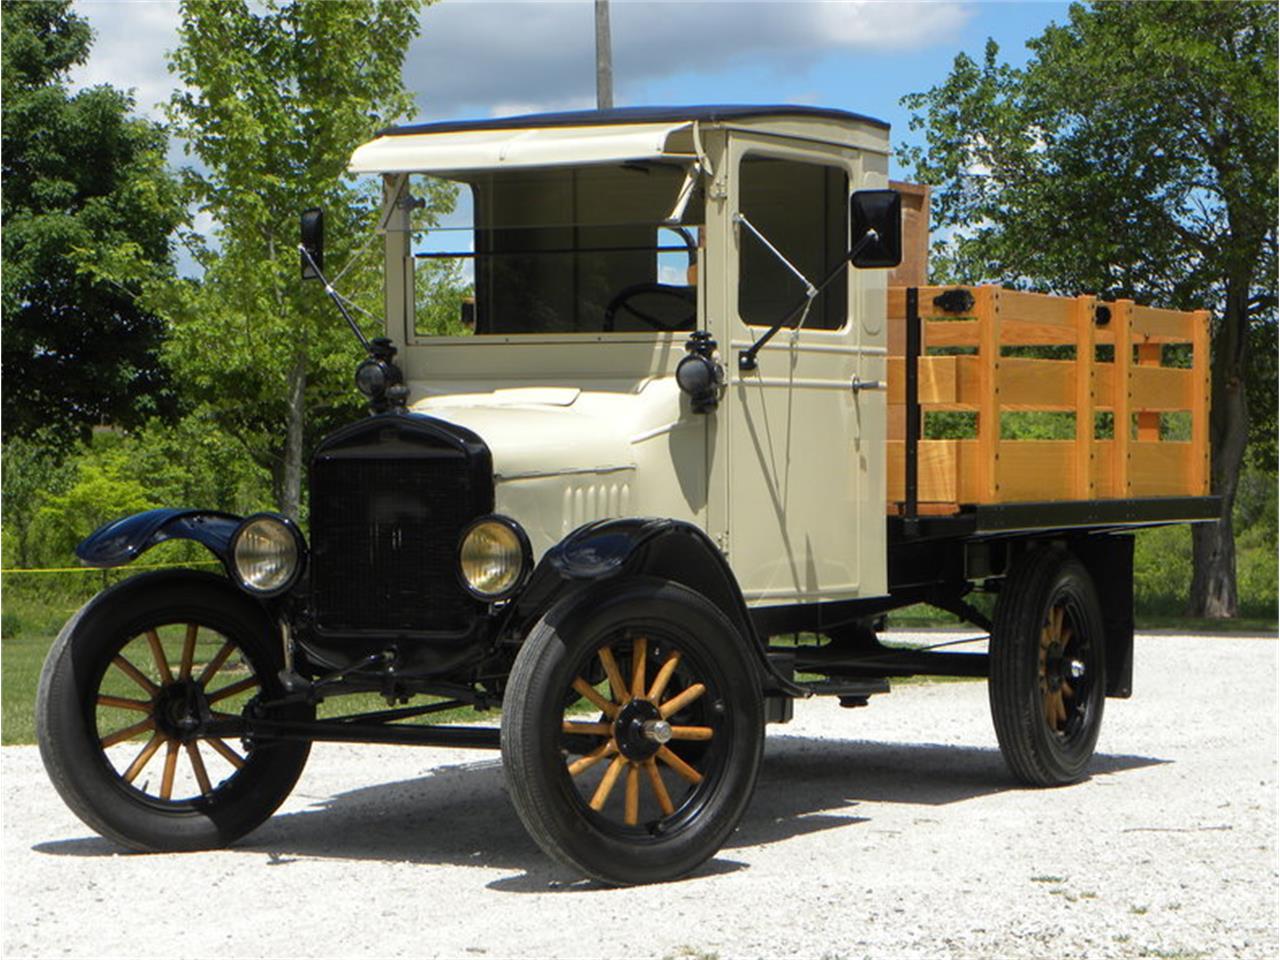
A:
<point x="526" y="558"/>
<point x="300" y="549"/>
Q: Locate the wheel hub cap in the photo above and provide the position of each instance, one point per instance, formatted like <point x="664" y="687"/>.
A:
<point x="178" y="709"/>
<point x="640" y="730"/>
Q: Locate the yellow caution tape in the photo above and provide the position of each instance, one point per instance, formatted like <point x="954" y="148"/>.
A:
<point x="135" y="566"/>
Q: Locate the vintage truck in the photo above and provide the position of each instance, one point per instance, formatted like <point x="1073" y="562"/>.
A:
<point x="681" y="428"/>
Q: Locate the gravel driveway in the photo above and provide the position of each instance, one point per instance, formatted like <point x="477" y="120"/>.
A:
<point x="886" y="831"/>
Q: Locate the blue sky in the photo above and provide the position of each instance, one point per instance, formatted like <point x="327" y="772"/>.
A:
<point x="479" y="58"/>
<point x="485" y="57"/>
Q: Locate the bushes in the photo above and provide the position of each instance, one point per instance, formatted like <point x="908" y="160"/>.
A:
<point x="50" y="503"/>
<point x="1162" y="558"/>
<point x="53" y="501"/>
<point x="1162" y="571"/>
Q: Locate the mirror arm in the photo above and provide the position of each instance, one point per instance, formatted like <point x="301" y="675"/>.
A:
<point x="747" y="357"/>
<point x="337" y="301"/>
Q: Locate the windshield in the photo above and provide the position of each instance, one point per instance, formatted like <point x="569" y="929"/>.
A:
<point x="553" y="251"/>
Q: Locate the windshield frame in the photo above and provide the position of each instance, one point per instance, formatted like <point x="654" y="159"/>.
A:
<point x="687" y="182"/>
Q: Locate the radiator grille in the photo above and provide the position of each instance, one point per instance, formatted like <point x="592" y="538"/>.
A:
<point x="384" y="539"/>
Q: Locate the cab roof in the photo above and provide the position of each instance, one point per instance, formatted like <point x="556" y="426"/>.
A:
<point x="616" y="115"/>
<point x="621" y="134"/>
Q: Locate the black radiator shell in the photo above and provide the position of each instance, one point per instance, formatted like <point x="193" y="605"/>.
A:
<point x="390" y="496"/>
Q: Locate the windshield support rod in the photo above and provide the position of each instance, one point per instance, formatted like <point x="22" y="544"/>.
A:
<point x="810" y="291"/>
<point x="747" y="357"/>
<point x="337" y="301"/>
<point x="686" y="192"/>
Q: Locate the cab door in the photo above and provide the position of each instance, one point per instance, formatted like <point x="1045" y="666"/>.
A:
<point x="805" y="478"/>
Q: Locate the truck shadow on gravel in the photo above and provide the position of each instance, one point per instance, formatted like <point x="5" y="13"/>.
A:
<point x="459" y="815"/>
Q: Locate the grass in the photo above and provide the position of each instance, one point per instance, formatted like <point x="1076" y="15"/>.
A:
<point x="33" y="617"/>
<point x="20" y="661"/>
<point x="23" y="657"/>
<point x="1258" y="625"/>
<point x="923" y="615"/>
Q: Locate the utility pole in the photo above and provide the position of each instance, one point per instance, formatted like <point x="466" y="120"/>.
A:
<point x="604" y="57"/>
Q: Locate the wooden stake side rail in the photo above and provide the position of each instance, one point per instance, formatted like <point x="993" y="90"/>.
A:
<point x="1134" y="386"/>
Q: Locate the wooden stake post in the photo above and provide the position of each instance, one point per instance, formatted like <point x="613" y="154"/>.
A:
<point x="988" y="468"/>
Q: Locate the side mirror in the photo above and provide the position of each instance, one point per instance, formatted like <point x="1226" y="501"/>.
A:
<point x="312" y="243"/>
<point x="876" y="220"/>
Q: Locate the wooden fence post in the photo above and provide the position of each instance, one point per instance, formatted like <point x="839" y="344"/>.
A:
<point x="1085" y="397"/>
<point x="1123" y="392"/>
<point x="987" y="310"/>
<point x="1200" y="397"/>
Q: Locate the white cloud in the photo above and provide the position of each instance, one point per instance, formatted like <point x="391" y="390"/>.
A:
<point x="495" y="57"/>
<point x="130" y="41"/>
<point x="514" y="108"/>
<point x="474" y="55"/>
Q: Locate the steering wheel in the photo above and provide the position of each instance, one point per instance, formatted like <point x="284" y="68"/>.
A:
<point x="619" y="302"/>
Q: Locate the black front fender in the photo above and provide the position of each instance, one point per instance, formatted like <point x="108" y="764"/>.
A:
<point x="123" y="541"/>
<point x="671" y="549"/>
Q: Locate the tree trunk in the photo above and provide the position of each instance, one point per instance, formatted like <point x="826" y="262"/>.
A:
<point x="290" y="494"/>
<point x="22" y="529"/>
<point x="1213" y="582"/>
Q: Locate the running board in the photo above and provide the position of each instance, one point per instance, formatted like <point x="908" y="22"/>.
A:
<point x="852" y="693"/>
<point x="444" y="735"/>
<point x="895" y="662"/>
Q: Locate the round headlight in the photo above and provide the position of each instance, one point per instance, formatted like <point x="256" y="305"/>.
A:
<point x="372" y="378"/>
<point x="494" y="557"/>
<point x="266" y="554"/>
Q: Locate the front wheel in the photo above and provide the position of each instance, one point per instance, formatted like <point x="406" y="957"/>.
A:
<point x="1047" y="665"/>
<point x="125" y="692"/>
<point x="632" y="731"/>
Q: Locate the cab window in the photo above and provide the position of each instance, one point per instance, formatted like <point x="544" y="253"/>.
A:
<point x="562" y="250"/>
<point x="802" y="209"/>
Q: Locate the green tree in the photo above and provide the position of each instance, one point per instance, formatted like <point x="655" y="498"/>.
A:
<point x="275" y="97"/>
<point x="1134" y="155"/>
<point x="33" y="469"/>
<point x="84" y="183"/>
<point x="99" y="495"/>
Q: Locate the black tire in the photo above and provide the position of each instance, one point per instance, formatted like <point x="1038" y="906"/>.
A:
<point x="633" y="835"/>
<point x="1047" y="668"/>
<point x="107" y="650"/>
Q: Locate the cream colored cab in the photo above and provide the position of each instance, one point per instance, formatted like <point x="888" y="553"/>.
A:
<point x="594" y="251"/>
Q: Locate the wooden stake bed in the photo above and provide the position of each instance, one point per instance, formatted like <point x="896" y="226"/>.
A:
<point x="1151" y="363"/>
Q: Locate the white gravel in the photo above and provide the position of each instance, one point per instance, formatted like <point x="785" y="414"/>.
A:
<point x="886" y="831"/>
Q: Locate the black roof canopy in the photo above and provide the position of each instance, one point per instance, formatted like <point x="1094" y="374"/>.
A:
<point x="618" y="115"/>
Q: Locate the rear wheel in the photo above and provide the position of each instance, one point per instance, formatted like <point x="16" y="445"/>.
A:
<point x="632" y="731"/>
<point x="1047" y="666"/>
<point x="122" y="702"/>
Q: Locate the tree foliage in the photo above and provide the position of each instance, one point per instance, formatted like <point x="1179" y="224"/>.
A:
<point x="275" y="97"/>
<point x="1134" y="155"/>
<point x="52" y="501"/>
<point x="33" y="470"/>
<point x="84" y="185"/>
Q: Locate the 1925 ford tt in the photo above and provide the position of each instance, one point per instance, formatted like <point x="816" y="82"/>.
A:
<point x="686" y="398"/>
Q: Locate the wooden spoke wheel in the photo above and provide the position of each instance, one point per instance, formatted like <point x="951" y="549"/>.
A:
<point x="151" y="704"/>
<point x="640" y="763"/>
<point x="632" y="731"/>
<point x="125" y="697"/>
<point x="1047" y="683"/>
